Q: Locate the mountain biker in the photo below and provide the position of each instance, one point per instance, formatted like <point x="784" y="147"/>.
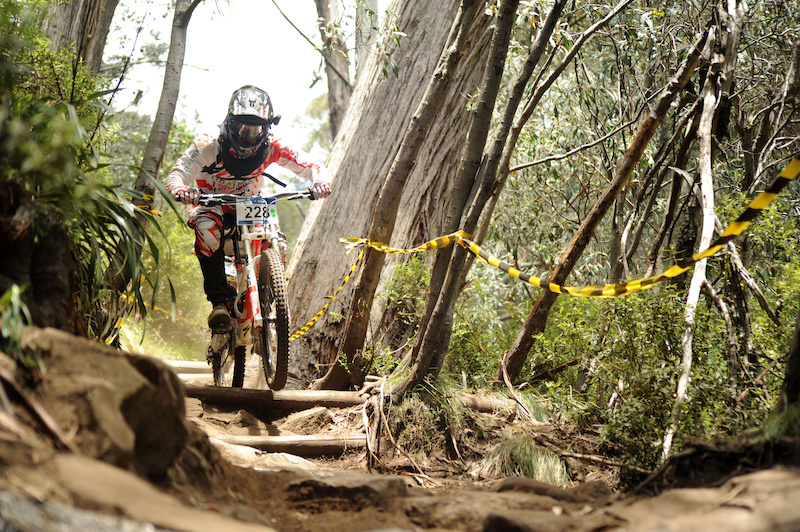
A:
<point x="233" y="162"/>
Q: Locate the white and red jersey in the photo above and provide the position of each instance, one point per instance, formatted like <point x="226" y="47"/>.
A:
<point x="201" y="163"/>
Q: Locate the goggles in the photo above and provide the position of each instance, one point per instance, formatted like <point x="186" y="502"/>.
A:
<point x="247" y="134"/>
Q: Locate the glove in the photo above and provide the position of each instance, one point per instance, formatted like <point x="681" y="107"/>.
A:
<point x="189" y="196"/>
<point x="320" y="189"/>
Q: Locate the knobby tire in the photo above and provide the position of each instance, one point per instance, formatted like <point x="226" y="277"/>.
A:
<point x="273" y="342"/>
<point x="238" y="367"/>
<point x="218" y="360"/>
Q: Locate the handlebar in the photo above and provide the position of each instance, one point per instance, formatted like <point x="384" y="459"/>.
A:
<point x="213" y="200"/>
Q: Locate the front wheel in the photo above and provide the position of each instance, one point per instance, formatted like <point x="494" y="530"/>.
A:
<point x="272" y="340"/>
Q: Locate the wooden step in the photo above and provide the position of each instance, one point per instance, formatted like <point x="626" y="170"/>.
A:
<point x="283" y="399"/>
<point x="302" y="445"/>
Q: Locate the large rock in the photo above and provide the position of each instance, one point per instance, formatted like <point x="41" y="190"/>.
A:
<point x="127" y="410"/>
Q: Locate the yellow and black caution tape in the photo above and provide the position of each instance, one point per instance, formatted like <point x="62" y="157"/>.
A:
<point x="351" y="243"/>
<point x="439" y="243"/>
<point x="304" y="329"/>
<point x="789" y="173"/>
<point x="112" y="335"/>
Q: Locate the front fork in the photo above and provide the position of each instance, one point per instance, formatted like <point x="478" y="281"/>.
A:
<point x="248" y="307"/>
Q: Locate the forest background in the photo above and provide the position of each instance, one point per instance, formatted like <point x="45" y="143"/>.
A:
<point x="699" y="356"/>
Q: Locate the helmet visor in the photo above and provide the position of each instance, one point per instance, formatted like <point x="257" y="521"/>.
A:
<point x="247" y="134"/>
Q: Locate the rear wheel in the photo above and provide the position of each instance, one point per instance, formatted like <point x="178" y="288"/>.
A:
<point x="272" y="341"/>
<point x="238" y="367"/>
<point x="222" y="355"/>
<point x="227" y="359"/>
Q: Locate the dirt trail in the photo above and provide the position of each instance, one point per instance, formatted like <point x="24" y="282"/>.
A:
<point x="106" y="441"/>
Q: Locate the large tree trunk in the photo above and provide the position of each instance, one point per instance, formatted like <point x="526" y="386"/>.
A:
<point x="790" y="391"/>
<point x="83" y="24"/>
<point x="384" y="214"/>
<point x="379" y="113"/>
<point x="445" y="283"/>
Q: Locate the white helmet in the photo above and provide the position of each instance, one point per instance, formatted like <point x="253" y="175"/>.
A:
<point x="248" y="121"/>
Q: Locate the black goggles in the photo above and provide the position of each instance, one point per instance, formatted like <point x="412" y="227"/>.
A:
<point x="247" y="133"/>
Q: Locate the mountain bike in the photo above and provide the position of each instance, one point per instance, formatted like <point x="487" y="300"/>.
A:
<point x="256" y="248"/>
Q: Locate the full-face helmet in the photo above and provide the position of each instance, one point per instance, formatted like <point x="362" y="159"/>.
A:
<point x="249" y="118"/>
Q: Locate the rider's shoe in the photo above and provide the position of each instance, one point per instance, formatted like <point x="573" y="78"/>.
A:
<point x="219" y="317"/>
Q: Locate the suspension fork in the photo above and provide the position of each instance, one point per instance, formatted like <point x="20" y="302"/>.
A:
<point x="251" y="299"/>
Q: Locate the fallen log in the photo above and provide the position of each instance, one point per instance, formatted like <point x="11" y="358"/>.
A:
<point x="301" y="445"/>
<point x="283" y="399"/>
<point x="485" y="403"/>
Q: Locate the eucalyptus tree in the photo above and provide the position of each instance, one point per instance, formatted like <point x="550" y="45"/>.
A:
<point x="122" y="271"/>
<point x="380" y="111"/>
<point x="82" y="25"/>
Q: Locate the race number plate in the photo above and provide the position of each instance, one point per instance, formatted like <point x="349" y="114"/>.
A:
<point x="257" y="211"/>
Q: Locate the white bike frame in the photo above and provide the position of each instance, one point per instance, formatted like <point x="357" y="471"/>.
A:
<point x="247" y="309"/>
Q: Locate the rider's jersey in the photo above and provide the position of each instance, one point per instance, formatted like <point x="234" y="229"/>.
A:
<point x="202" y="164"/>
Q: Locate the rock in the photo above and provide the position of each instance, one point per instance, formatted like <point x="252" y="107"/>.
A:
<point x="125" y="410"/>
<point x="347" y="491"/>
<point x="311" y="421"/>
<point x="156" y="413"/>
<point x="99" y="485"/>
<point x="19" y="514"/>
<point x="520" y="521"/>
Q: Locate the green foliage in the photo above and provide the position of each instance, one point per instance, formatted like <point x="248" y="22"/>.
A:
<point x="14" y="315"/>
<point x="48" y="101"/>
<point x="407" y="289"/>
<point x="415" y="426"/>
<point x="786" y="423"/>
<point x="483" y="329"/>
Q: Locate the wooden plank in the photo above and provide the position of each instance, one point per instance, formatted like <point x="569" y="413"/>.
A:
<point x="283" y="399"/>
<point x="301" y="445"/>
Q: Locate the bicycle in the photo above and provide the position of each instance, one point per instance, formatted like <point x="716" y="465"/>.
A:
<point x="260" y="317"/>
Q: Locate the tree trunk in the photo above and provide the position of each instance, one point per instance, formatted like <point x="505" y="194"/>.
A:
<point x="537" y="319"/>
<point x="790" y="390"/>
<point x="371" y="135"/>
<point x="384" y="214"/>
<point x="159" y="133"/>
<point x="83" y="24"/>
<point x="337" y="63"/>
<point x="445" y="282"/>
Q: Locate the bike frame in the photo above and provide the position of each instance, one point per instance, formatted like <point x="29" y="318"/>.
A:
<point x="244" y="238"/>
<point x="247" y="310"/>
<point x="260" y="317"/>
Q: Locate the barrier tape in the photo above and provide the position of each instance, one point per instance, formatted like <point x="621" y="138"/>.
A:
<point x="737" y="227"/>
<point x="788" y="174"/>
<point x="441" y="242"/>
<point x="313" y="320"/>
